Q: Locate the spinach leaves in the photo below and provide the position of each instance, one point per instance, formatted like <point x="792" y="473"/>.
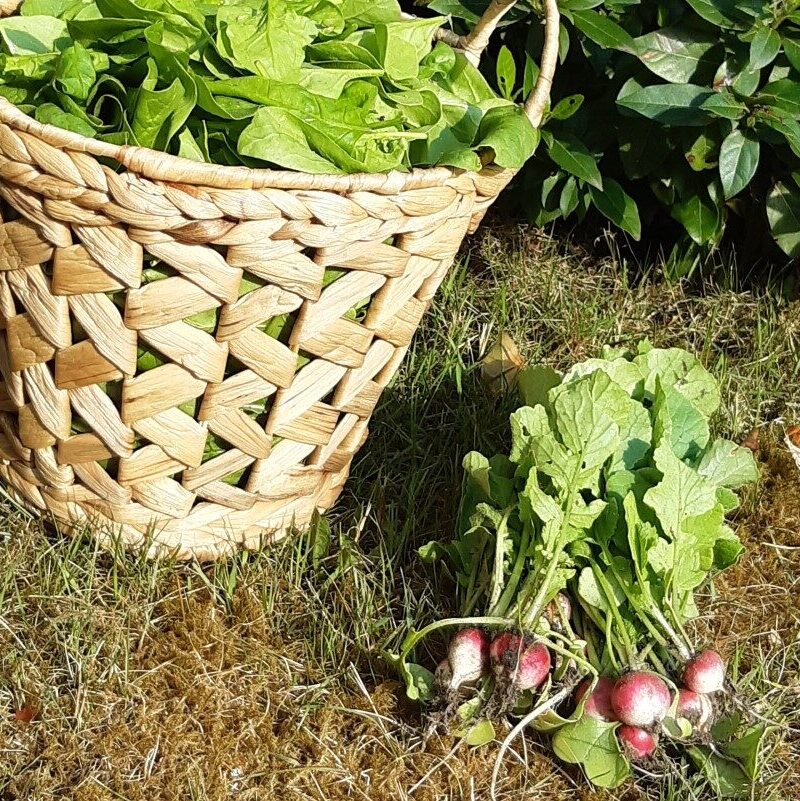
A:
<point x="322" y="86"/>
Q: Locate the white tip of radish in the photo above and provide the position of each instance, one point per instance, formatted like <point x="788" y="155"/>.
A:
<point x="468" y="656"/>
<point x="598" y="704"/>
<point x="443" y="673"/>
<point x="637" y="743"/>
<point x="704" y="673"/>
<point x="695" y="707"/>
<point x="640" y="698"/>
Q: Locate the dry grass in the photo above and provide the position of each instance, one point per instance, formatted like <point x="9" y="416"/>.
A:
<point x="755" y="614"/>
<point x="260" y="678"/>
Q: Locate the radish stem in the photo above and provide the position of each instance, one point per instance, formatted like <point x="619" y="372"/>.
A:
<point x="501" y="607"/>
<point x="499" y="559"/>
<point x="417" y="636"/>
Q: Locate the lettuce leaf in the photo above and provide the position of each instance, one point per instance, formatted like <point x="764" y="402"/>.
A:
<point x="321" y="86"/>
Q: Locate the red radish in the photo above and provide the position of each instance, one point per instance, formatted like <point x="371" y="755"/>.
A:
<point x="695" y="707"/>
<point x="468" y="655"/>
<point x="598" y="704"/>
<point x="637" y="743"/>
<point x="525" y="665"/>
<point x="534" y="665"/>
<point x="640" y="698"/>
<point x="501" y="645"/>
<point x="705" y="673"/>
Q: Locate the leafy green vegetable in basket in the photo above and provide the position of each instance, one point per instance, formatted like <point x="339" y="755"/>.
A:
<point x="323" y="86"/>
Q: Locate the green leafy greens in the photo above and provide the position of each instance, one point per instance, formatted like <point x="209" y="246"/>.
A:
<point x="614" y="488"/>
<point x="613" y="492"/>
<point x="323" y="86"/>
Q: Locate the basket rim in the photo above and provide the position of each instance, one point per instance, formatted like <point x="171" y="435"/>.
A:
<point x="159" y="166"/>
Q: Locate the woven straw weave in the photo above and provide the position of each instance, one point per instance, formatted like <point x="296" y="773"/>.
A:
<point x="74" y="230"/>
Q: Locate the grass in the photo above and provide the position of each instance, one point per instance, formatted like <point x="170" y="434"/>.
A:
<point x="260" y="677"/>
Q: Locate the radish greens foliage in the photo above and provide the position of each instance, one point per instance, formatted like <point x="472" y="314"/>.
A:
<point x="613" y="486"/>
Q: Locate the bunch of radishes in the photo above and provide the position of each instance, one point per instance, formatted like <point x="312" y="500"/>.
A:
<point x="516" y="663"/>
<point x="641" y="700"/>
<point x="577" y="558"/>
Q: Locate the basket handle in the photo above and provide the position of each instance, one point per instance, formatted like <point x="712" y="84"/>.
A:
<point x="474" y="43"/>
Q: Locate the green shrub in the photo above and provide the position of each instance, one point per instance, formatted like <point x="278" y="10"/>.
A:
<point x="688" y="105"/>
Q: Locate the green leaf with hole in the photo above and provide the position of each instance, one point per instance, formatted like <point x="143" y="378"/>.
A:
<point x="566" y="107"/>
<point x="506" y="72"/>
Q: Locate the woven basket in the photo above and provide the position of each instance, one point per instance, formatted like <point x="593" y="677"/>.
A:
<point x="73" y="230"/>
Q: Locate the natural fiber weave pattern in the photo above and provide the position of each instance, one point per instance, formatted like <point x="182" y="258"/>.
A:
<point x="74" y="230"/>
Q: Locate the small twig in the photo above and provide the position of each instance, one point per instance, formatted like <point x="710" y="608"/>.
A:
<point x="474" y="43"/>
<point x="449" y="38"/>
<point x="780" y="547"/>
